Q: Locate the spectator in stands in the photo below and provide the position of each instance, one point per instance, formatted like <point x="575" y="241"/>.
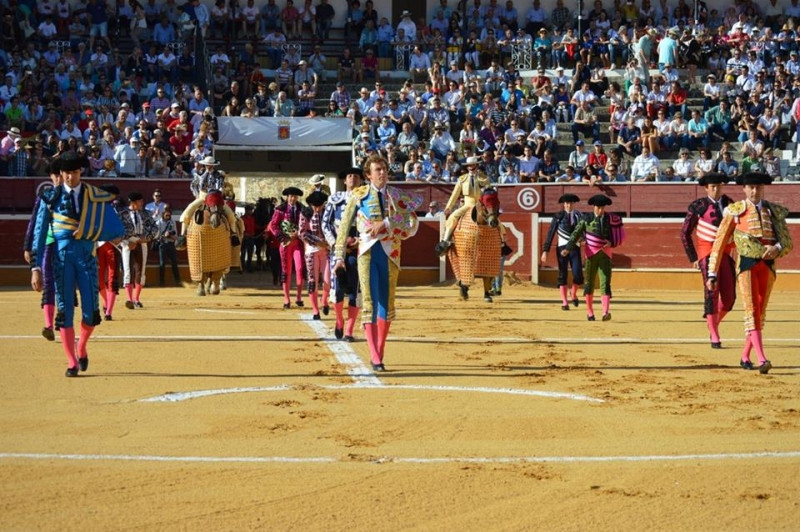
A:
<point x="727" y="165"/>
<point x="769" y="128"/>
<point x="528" y="165"/>
<point x="369" y="67"/>
<point x="678" y="133"/>
<point x="508" y="168"/>
<point x="284" y="106"/>
<point x="719" y="120"/>
<point x="579" y="159"/>
<point x="683" y="167"/>
<point x="418" y="65"/>
<point x="697" y="129"/>
<point x="645" y="166"/>
<point x="441" y="142"/>
<point x="290" y="20"/>
<point x="753" y="147"/>
<point x="549" y="168"/>
<point x="712" y="93"/>
<point x="347" y="68"/>
<point x="585" y="122"/>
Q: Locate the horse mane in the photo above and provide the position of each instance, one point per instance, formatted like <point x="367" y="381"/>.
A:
<point x="263" y="211"/>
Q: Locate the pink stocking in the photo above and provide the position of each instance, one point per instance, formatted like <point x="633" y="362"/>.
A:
<point x="371" y="333"/>
<point x="111" y="297"/>
<point x="314" y="301"/>
<point x="86" y="333"/>
<point x="383" y="331"/>
<point x="352" y="316"/>
<point x="129" y="291"/>
<point x="748" y="345"/>
<point x="563" y="291"/>
<point x="49" y="312"/>
<point x="68" y="342"/>
<point x="713" y="328"/>
<point x="606" y="301"/>
<point x="338" y="310"/>
<point x="286" y="290"/>
<point x="137" y="292"/>
<point x="758" y="344"/>
<point x="574" y="291"/>
<point x="589" y="304"/>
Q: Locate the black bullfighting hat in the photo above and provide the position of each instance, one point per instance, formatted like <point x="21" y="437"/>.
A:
<point x="754" y="178"/>
<point x="713" y="178"/>
<point x="354" y="170"/>
<point x="292" y="191"/>
<point x="317" y="198"/>
<point x="568" y="198"/>
<point x="600" y="200"/>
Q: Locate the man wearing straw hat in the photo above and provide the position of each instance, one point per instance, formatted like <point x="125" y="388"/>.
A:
<point x="317" y="183"/>
<point x="468" y="186"/>
<point x="563" y="224"/>
<point x="759" y="232"/>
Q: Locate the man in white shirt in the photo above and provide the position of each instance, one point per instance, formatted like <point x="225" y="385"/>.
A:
<point x="408" y="26"/>
<point x="645" y="166"/>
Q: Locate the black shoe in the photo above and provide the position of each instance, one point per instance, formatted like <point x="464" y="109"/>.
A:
<point x="299" y="303"/>
<point x="746" y="364"/>
<point x="607" y="316"/>
<point x="83" y="363"/>
<point x="48" y="333"/>
<point x="564" y="307"/>
<point x="498" y="293"/>
<point x="315" y="317"/>
<point x="487" y="297"/>
<point x="378" y="367"/>
<point x="326" y="309"/>
<point x="716" y="345"/>
<point x="139" y="304"/>
<point x="338" y="333"/>
<point x="129" y="305"/>
<point x="590" y="318"/>
<point x="575" y="302"/>
<point x="349" y="338"/>
<point x="765" y="367"/>
<point x="464" y="291"/>
<point x="287" y="305"/>
<point x="71" y="372"/>
<point x="108" y="317"/>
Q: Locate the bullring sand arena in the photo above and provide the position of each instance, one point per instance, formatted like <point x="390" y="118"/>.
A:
<point x="230" y="413"/>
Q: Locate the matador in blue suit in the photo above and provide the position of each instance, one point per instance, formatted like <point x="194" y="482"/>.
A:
<point x="78" y="215"/>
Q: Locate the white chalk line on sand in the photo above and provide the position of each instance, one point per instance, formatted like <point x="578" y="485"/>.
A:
<point x="416" y="339"/>
<point x="347" y="357"/>
<point x="175" y="397"/>
<point x="215" y="311"/>
<point x="401" y="459"/>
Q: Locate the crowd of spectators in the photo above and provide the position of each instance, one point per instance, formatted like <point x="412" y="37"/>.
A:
<point x="613" y="81"/>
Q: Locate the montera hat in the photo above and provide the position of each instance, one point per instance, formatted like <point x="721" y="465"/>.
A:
<point x="292" y="191"/>
<point x="353" y="170"/>
<point x="70" y="162"/>
<point x="135" y="196"/>
<point x="55" y="167"/>
<point x="600" y="200"/>
<point x="317" y="198"/>
<point x="317" y="179"/>
<point x="713" y="178"/>
<point x="754" y="178"/>
<point x="569" y="198"/>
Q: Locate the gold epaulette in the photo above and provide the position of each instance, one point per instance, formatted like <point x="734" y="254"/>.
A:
<point x="737" y="208"/>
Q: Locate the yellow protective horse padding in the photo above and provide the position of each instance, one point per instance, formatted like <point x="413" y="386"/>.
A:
<point x="209" y="248"/>
<point x="475" y="251"/>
